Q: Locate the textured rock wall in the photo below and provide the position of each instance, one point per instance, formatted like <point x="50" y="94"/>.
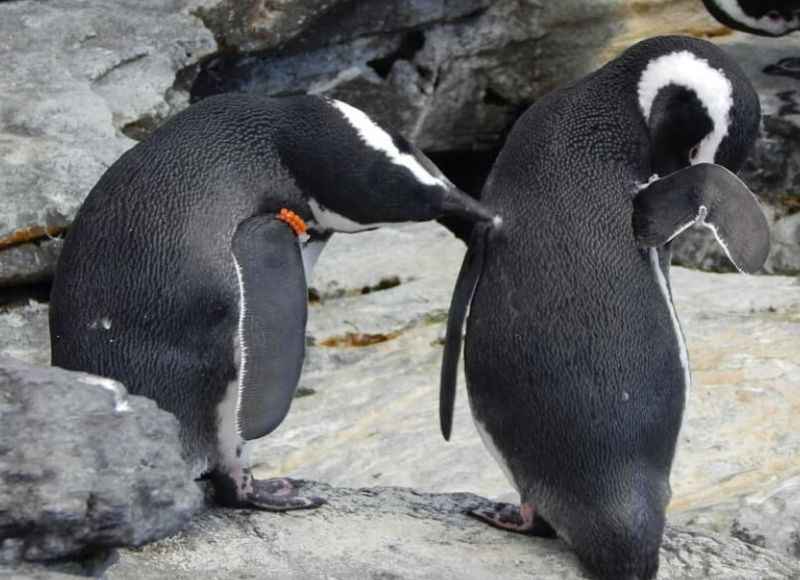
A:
<point x="80" y="83"/>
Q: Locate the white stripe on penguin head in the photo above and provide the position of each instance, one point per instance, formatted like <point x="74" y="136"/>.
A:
<point x="711" y="86"/>
<point x="380" y="140"/>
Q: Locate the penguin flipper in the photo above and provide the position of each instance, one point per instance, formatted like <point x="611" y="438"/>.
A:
<point x="273" y="312"/>
<point x="466" y="282"/>
<point x="709" y="195"/>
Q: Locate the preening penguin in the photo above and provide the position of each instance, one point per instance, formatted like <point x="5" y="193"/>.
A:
<point x="184" y="273"/>
<point x="762" y="17"/>
<point x="575" y="360"/>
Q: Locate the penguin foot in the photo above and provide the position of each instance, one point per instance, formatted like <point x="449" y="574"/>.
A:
<point x="509" y="517"/>
<point x="278" y="495"/>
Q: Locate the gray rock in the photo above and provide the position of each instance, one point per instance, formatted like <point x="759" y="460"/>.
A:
<point x="769" y="517"/>
<point x="25" y="334"/>
<point x="84" y="466"/>
<point x="449" y="75"/>
<point x="402" y="534"/>
<point x="75" y="77"/>
<point x="29" y="263"/>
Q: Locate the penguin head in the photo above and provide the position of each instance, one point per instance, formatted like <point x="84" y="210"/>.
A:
<point x="697" y="103"/>
<point x="762" y="17"/>
<point x="372" y="177"/>
<point x="619" y="536"/>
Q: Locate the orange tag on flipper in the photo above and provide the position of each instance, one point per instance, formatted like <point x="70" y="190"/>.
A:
<point x="293" y="220"/>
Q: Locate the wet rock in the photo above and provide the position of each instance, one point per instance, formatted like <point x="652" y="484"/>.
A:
<point x="84" y="467"/>
<point x="74" y="76"/>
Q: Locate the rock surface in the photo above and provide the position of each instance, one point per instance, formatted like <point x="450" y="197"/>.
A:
<point x="83" y="466"/>
<point x="75" y="77"/>
<point x="402" y="534"/>
<point x="367" y="415"/>
<point x="769" y="517"/>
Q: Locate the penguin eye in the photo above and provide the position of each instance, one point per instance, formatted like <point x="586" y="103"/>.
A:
<point x="774" y="15"/>
<point x="693" y="152"/>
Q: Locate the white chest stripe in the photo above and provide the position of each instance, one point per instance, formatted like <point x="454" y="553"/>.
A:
<point x="242" y="345"/>
<point x="711" y="86"/>
<point x="488" y="442"/>
<point x="662" y="284"/>
<point x="329" y="220"/>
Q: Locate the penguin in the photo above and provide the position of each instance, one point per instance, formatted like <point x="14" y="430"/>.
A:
<point x="575" y="361"/>
<point x="762" y="17"/>
<point x="184" y="274"/>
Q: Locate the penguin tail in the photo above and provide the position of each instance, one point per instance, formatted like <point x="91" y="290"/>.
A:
<point x="465" y="286"/>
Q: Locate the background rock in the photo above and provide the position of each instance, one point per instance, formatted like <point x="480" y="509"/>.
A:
<point x="83" y="466"/>
<point x="75" y="77"/>
<point x="453" y="76"/>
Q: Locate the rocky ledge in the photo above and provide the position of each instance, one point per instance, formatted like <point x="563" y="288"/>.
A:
<point x="400" y="534"/>
<point x="84" y="467"/>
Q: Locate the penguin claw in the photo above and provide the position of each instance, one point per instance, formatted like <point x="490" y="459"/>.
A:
<point x="279" y="495"/>
<point x="511" y="518"/>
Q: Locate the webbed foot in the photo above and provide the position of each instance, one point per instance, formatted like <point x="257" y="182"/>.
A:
<point x="279" y="494"/>
<point x="522" y="520"/>
<point x="240" y="490"/>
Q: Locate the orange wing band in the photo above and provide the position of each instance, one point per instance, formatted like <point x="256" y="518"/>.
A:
<point x="293" y="220"/>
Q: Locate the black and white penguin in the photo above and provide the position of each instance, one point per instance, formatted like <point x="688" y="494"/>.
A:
<point x="184" y="273"/>
<point x="762" y="17"/>
<point x="575" y="361"/>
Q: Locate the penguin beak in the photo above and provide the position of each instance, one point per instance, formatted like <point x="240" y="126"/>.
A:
<point x="456" y="203"/>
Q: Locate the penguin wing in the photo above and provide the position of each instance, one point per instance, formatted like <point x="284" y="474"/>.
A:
<point x="709" y="195"/>
<point x="466" y="282"/>
<point x="272" y="322"/>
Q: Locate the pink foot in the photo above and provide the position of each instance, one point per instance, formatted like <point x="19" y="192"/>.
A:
<point x="512" y="518"/>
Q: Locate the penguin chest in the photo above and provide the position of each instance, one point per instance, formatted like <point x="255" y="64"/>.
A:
<point x="663" y="286"/>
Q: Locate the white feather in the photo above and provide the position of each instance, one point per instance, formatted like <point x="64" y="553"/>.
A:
<point x="380" y="140"/>
<point x="662" y="284"/>
<point x="711" y="86"/>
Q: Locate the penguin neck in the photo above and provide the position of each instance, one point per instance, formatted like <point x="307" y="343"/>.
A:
<point x="321" y="163"/>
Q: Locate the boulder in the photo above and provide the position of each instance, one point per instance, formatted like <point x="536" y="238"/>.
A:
<point x="84" y="466"/>
<point x="76" y="79"/>
<point x="449" y="75"/>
